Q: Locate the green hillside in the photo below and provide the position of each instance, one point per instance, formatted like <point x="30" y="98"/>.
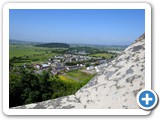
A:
<point x="53" y="45"/>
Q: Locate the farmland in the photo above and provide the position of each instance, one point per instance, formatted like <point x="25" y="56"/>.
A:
<point x="77" y="76"/>
<point x="21" y="54"/>
<point x="50" y="72"/>
<point x="105" y="55"/>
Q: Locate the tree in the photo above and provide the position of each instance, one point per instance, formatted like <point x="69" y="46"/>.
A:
<point x="87" y="65"/>
<point x="103" y="58"/>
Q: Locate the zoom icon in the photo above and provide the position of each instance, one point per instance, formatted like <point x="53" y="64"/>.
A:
<point x="147" y="99"/>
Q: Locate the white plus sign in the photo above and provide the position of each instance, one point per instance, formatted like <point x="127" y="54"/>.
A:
<point x="147" y="99"/>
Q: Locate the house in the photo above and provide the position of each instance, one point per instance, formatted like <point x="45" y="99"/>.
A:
<point x="49" y="63"/>
<point x="90" y="68"/>
<point x="97" y="70"/>
<point x="81" y="65"/>
<point x="59" y="67"/>
<point x="99" y="67"/>
<point x="37" y="66"/>
<point x="59" y="57"/>
<point x="102" y="61"/>
<point x="56" y="61"/>
<point x="44" y="66"/>
<point x="75" y="67"/>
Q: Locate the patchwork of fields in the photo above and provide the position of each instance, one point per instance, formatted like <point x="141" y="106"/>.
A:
<point x="38" y="84"/>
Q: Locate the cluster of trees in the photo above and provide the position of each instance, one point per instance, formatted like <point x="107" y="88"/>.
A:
<point x="59" y="51"/>
<point x="20" y="60"/>
<point x="86" y="49"/>
<point x="53" y="45"/>
<point x="27" y="87"/>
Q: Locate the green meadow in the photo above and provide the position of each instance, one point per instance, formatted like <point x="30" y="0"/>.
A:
<point x="105" y="55"/>
<point x="20" y="54"/>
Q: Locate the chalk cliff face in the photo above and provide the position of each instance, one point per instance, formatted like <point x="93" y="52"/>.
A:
<point x="115" y="87"/>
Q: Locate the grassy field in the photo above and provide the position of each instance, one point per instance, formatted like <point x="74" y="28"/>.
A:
<point x="76" y="76"/>
<point x="31" y="54"/>
<point x="106" y="55"/>
<point x="21" y="50"/>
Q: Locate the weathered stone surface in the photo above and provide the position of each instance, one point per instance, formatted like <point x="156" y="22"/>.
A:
<point x="115" y="87"/>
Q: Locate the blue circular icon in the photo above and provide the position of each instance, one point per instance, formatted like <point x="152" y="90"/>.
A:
<point x="147" y="99"/>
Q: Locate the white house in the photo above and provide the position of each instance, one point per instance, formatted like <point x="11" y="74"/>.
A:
<point x="90" y="68"/>
<point x="45" y="66"/>
<point x="38" y="66"/>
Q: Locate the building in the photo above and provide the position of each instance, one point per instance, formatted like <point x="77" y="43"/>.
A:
<point x="56" y="61"/>
<point x="90" y="68"/>
<point x="75" y="67"/>
<point x="44" y="66"/>
<point x="59" y="57"/>
<point x="59" y="67"/>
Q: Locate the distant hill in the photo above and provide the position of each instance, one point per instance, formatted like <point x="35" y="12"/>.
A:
<point x="53" y="45"/>
<point x="20" y="42"/>
<point x="38" y="44"/>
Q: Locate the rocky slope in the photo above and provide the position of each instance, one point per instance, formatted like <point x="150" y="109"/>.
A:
<point x="115" y="87"/>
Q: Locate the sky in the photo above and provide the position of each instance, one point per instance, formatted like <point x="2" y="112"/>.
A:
<point x="77" y="26"/>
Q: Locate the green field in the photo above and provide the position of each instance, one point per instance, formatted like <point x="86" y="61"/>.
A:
<point x="77" y="76"/>
<point x="20" y="54"/>
<point x="106" y="55"/>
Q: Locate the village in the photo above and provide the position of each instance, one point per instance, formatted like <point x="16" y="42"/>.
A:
<point x="71" y="61"/>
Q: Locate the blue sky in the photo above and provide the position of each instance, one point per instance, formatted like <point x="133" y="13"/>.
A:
<point x="101" y="27"/>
